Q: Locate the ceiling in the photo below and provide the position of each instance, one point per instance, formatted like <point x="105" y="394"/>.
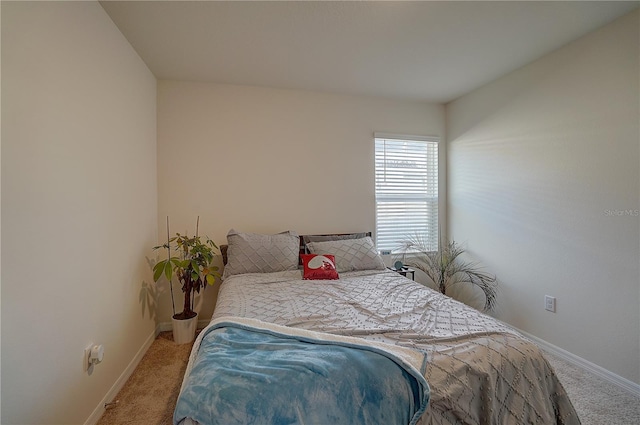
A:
<point x="425" y="51"/>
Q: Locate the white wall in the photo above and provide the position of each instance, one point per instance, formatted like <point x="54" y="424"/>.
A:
<point x="79" y="207"/>
<point x="266" y="160"/>
<point x="541" y="162"/>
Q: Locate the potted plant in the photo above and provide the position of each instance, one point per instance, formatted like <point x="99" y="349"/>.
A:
<point x="192" y="267"/>
<point x="445" y="267"/>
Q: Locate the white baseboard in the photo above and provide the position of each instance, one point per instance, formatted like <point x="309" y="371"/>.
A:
<point x="117" y="386"/>
<point x="617" y="380"/>
<point x="164" y="327"/>
<point x="167" y="326"/>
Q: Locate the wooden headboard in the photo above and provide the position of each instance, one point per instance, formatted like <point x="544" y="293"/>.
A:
<point x="224" y="248"/>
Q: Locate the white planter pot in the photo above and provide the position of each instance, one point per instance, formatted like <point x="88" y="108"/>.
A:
<point x="184" y="331"/>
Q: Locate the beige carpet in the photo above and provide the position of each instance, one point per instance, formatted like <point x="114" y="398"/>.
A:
<point x="149" y="396"/>
<point x="597" y="401"/>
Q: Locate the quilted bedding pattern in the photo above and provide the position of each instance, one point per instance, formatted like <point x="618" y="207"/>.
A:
<point x="480" y="371"/>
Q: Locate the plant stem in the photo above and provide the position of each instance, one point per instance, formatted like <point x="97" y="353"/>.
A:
<point x="187" y="295"/>
<point x="173" y="304"/>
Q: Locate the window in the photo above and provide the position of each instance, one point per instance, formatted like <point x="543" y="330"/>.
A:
<point x="406" y="190"/>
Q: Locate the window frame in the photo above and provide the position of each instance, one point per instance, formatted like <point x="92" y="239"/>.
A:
<point x="434" y="238"/>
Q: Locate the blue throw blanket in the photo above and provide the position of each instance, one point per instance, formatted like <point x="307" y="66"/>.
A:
<point x="246" y="375"/>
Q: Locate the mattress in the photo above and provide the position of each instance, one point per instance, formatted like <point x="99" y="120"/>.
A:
<point x="479" y="370"/>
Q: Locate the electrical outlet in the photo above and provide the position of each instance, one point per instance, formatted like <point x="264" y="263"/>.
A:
<point x="550" y="303"/>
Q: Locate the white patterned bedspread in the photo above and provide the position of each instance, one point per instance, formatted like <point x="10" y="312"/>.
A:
<point x="479" y="370"/>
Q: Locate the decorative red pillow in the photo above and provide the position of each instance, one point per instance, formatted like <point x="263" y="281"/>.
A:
<point x="319" y="267"/>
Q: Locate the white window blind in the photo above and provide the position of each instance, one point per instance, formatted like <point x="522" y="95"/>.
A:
<point x="406" y="190"/>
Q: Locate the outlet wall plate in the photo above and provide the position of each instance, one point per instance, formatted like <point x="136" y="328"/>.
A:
<point x="87" y="354"/>
<point x="550" y="303"/>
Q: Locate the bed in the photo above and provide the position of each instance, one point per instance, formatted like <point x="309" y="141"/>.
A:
<point x="439" y="361"/>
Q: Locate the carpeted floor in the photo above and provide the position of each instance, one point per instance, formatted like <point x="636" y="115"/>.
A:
<point x="149" y="396"/>
<point x="597" y="401"/>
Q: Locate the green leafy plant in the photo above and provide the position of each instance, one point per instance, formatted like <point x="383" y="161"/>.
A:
<point x="446" y="269"/>
<point x="192" y="267"/>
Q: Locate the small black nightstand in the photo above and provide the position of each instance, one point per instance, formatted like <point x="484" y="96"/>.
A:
<point x="405" y="271"/>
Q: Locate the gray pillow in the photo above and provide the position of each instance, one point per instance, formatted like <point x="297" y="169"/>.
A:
<point x="256" y="253"/>
<point x="350" y="254"/>
<point x="324" y="238"/>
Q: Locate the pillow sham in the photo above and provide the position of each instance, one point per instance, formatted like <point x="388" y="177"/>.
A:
<point x="325" y="238"/>
<point x="257" y="253"/>
<point x="350" y="254"/>
<point x="318" y="267"/>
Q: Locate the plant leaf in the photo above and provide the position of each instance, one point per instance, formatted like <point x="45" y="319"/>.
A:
<point x="168" y="270"/>
<point x="158" y="269"/>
